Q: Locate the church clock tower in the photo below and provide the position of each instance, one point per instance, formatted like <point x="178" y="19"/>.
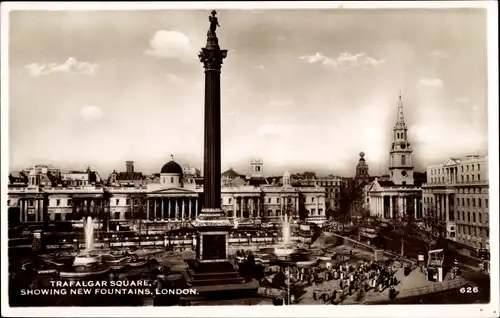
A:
<point x="401" y="166"/>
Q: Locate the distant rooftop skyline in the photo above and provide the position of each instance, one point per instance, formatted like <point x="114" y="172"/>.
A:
<point x="304" y="90"/>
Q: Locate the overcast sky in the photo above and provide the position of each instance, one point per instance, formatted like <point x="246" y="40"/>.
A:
<point x="302" y="90"/>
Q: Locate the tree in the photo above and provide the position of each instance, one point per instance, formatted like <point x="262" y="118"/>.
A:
<point x="347" y="196"/>
<point x="432" y="230"/>
<point x="403" y="221"/>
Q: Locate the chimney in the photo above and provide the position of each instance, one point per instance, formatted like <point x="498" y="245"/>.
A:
<point x="130" y="166"/>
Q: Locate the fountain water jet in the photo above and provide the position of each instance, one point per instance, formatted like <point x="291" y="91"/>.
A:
<point x="89" y="233"/>
<point x="87" y="257"/>
<point x="286" y="248"/>
<point x="285" y="225"/>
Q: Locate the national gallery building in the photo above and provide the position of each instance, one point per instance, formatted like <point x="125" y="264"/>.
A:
<point x="175" y="199"/>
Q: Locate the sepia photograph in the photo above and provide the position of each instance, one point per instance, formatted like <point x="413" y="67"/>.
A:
<point x="296" y="159"/>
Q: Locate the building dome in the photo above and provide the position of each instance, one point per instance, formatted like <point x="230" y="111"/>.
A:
<point x="361" y="154"/>
<point x="171" y="167"/>
<point x="286" y="174"/>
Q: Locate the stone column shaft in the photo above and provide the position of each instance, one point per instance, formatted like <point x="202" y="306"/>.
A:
<point x="147" y="209"/>
<point x="212" y="160"/>
<point x="183" y="207"/>
<point x="391" y="212"/>
<point x="317" y="205"/>
<point x="21" y="210"/>
<point x="447" y="206"/>
<point x="415" y="208"/>
<point x="169" y="208"/>
<point x="176" y="208"/>
<point x="235" y="208"/>
<point x="155" y="208"/>
<point x="42" y="207"/>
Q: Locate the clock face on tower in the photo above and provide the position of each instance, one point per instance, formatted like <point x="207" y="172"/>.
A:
<point x="403" y="173"/>
<point x="403" y="146"/>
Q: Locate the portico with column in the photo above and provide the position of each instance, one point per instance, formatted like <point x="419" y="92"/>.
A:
<point x="245" y="206"/>
<point x="394" y="201"/>
<point x="444" y="202"/>
<point x="33" y="208"/>
<point x="171" y="207"/>
<point x="88" y="204"/>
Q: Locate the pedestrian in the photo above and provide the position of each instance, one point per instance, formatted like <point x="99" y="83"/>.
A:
<point x="392" y="293"/>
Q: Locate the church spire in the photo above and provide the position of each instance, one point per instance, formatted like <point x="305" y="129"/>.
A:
<point x="401" y="117"/>
<point x="400" y="122"/>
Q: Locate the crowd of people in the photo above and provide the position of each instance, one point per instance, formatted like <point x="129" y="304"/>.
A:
<point x="359" y="278"/>
<point x="352" y="278"/>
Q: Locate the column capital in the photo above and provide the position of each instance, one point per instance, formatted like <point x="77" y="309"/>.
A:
<point x="212" y="58"/>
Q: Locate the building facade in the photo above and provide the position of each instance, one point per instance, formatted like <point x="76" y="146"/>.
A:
<point x="399" y="196"/>
<point x="332" y="185"/>
<point x="79" y="178"/>
<point x="175" y="199"/>
<point x="362" y="176"/>
<point x="457" y="192"/>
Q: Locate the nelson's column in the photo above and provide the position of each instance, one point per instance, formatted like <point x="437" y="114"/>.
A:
<point x="211" y="273"/>
<point x="212" y="224"/>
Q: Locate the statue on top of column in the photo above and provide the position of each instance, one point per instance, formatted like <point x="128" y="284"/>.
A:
<point x="214" y="23"/>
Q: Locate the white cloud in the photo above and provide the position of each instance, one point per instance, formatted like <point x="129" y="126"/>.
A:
<point x="344" y="60"/>
<point x="172" y="45"/>
<point x="439" y="54"/>
<point x="462" y="100"/>
<point x="282" y="103"/>
<point x="431" y="82"/>
<point x="260" y="67"/>
<point x="175" y="79"/>
<point x="91" y="113"/>
<point x="70" y="66"/>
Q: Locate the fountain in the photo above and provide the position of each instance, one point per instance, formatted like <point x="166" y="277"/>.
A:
<point x="287" y="252"/>
<point x="87" y="257"/>
<point x="89" y="263"/>
<point x="286" y="248"/>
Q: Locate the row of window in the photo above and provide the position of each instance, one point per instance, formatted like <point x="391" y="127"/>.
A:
<point x="473" y="200"/>
<point x="466" y="168"/>
<point x="480" y="216"/>
<point x="465" y="202"/>
<point x="466" y="179"/>
<point x="473" y="231"/>
<point x="333" y="195"/>
<point x="336" y="190"/>
<point x="270" y="200"/>
<point x="328" y="183"/>
<point x="137" y="202"/>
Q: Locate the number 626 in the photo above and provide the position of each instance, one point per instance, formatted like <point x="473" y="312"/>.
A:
<point x="469" y="290"/>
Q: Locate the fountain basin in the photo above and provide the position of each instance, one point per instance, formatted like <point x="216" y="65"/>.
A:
<point x="284" y="251"/>
<point x="86" y="259"/>
<point x="78" y="272"/>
